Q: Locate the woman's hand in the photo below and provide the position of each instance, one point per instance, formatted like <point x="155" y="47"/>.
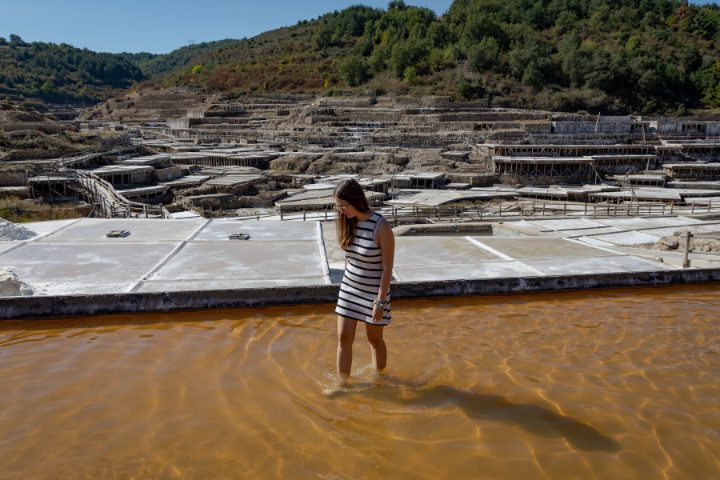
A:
<point x="377" y="313"/>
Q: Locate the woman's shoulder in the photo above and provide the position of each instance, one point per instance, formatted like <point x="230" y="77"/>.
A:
<point x="381" y="224"/>
<point x="377" y="219"/>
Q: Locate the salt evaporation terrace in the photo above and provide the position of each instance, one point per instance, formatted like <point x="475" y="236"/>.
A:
<point x="186" y="151"/>
<point x="529" y="199"/>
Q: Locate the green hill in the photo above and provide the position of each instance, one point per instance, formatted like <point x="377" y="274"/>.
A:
<point x="611" y="56"/>
<point x="62" y="73"/>
<point x="153" y="65"/>
<point x="600" y="55"/>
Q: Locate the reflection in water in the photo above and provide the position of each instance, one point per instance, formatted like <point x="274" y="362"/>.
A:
<point x="594" y="384"/>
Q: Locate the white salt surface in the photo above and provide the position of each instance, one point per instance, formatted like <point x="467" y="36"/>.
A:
<point x="10" y="231"/>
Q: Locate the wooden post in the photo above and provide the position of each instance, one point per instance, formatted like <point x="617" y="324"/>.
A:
<point x="686" y="260"/>
<point x="543" y="209"/>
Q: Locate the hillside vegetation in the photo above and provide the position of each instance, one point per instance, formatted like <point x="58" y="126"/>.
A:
<point x="153" y="65"/>
<point x="611" y="56"/>
<point x="62" y="73"/>
<point x="600" y="55"/>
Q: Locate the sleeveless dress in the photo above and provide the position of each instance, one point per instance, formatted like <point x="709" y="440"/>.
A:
<point x="363" y="271"/>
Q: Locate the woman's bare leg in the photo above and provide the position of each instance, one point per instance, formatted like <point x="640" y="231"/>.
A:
<point x="377" y="345"/>
<point x="346" y="337"/>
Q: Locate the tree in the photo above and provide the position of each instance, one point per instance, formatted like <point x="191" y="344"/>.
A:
<point x="405" y="55"/>
<point x="485" y="55"/>
<point x="354" y="71"/>
<point x="16" y="40"/>
<point x="470" y="89"/>
<point x="410" y="75"/>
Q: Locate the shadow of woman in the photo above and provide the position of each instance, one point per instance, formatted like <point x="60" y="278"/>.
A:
<point x="531" y="418"/>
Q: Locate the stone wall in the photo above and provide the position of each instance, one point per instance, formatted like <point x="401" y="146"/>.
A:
<point x="12" y="178"/>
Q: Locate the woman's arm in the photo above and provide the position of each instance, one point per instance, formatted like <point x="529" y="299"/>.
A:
<point x="386" y="241"/>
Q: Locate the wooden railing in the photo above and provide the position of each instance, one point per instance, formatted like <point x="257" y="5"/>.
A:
<point x="520" y="209"/>
<point x="106" y="200"/>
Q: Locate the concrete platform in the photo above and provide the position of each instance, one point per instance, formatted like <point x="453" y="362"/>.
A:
<point x="74" y="268"/>
<point x="62" y="268"/>
<point x="141" y="230"/>
<point x="167" y="255"/>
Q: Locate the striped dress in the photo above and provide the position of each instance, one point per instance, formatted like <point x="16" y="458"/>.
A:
<point x="363" y="270"/>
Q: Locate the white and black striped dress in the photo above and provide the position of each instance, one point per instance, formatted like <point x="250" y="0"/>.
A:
<point x="363" y="271"/>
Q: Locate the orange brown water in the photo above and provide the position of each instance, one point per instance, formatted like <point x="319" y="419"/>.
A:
<point x="596" y="384"/>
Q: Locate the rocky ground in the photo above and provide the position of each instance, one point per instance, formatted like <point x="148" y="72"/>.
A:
<point x="708" y="243"/>
<point x="28" y="132"/>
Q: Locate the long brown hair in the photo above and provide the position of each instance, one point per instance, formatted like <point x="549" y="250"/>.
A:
<point x="352" y="193"/>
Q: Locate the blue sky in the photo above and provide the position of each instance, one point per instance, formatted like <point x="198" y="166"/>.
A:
<point x="159" y="26"/>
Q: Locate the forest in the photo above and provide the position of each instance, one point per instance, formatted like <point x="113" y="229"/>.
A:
<point x="610" y="56"/>
<point x="62" y="73"/>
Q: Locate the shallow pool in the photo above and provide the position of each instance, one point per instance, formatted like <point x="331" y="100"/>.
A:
<point x="604" y="384"/>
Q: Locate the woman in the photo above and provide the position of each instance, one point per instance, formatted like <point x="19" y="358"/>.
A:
<point x="364" y="295"/>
